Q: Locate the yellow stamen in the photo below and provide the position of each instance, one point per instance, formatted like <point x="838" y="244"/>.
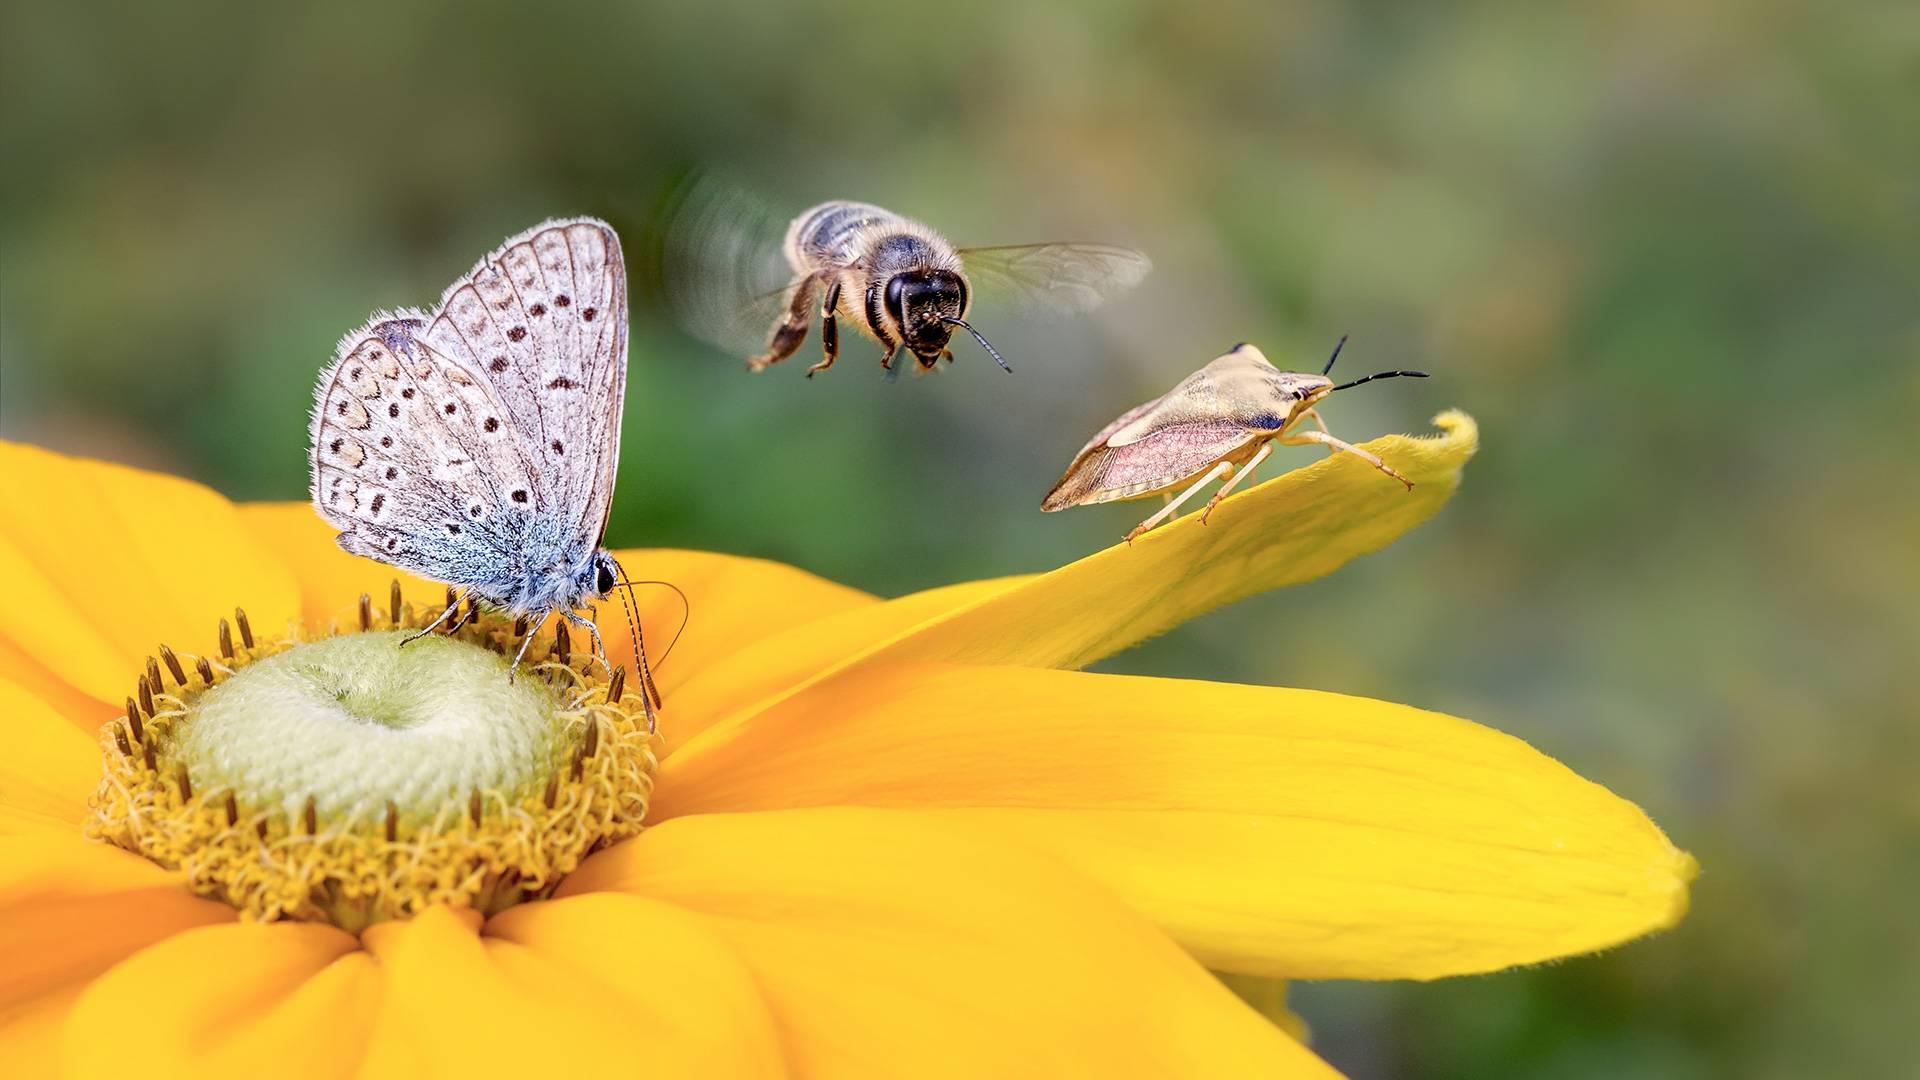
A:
<point x="344" y="778"/>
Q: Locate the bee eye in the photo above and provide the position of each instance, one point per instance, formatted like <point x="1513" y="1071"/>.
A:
<point x="896" y="295"/>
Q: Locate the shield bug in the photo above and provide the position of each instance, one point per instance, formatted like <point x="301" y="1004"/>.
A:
<point x="1219" y="423"/>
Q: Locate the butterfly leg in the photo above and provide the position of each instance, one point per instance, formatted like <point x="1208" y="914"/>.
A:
<point x="467" y="616"/>
<point x="1224" y="468"/>
<point x="649" y="694"/>
<point x="1336" y="446"/>
<point x="829" y="330"/>
<point x="525" y="643"/>
<point x="1232" y="481"/>
<point x="791" y="330"/>
<point x="435" y="624"/>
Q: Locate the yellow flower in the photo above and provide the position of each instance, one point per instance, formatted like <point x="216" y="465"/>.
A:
<point x="886" y="837"/>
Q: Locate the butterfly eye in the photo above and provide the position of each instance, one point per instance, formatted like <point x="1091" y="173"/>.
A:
<point x="604" y="583"/>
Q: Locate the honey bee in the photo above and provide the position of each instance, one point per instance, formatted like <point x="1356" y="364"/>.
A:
<point x="895" y="280"/>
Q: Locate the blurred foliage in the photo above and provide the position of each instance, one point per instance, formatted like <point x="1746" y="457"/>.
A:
<point x="1668" y="255"/>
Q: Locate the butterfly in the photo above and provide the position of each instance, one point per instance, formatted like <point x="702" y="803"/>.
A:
<point x="475" y="444"/>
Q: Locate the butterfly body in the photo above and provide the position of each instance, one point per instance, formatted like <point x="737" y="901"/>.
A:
<point x="475" y="444"/>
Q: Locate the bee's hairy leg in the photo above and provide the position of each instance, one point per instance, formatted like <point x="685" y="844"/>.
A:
<point x="829" y="330"/>
<point x="886" y="359"/>
<point x="791" y="330"/>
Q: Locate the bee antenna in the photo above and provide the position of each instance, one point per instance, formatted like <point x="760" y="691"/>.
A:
<point x="984" y="343"/>
<point x="1337" y="346"/>
<point x="1381" y="375"/>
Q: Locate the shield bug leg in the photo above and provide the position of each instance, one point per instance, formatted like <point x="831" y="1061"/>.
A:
<point x="1337" y="445"/>
<point x="829" y="330"/>
<point x="1234" y="480"/>
<point x="791" y="330"/>
<point x="1224" y="468"/>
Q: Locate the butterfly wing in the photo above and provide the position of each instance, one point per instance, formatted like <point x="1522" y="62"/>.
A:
<point x="405" y="464"/>
<point x="542" y="321"/>
<point x="1066" y="278"/>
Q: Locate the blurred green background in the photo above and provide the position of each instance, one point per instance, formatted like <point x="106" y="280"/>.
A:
<point x="1667" y="254"/>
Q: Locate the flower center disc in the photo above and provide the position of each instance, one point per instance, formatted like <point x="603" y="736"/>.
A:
<point x="349" y="779"/>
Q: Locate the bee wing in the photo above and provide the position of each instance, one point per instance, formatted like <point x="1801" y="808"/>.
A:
<point x="721" y="270"/>
<point x="1063" y="278"/>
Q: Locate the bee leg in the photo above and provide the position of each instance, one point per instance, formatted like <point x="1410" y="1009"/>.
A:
<point x="947" y="355"/>
<point x="791" y="330"/>
<point x="1336" y="446"/>
<point x="1232" y="481"/>
<point x="829" y="330"/>
<point x="886" y="360"/>
<point x="1224" y="468"/>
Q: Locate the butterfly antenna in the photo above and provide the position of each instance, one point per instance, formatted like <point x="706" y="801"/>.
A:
<point x="1381" y="375"/>
<point x="1337" y="346"/>
<point x="984" y="343"/>
<point x="686" y="610"/>
<point x="648" y="691"/>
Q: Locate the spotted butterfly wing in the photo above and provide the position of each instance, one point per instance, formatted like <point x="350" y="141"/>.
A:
<point x="476" y="443"/>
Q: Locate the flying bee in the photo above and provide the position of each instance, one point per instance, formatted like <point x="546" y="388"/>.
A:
<point x="895" y="280"/>
<point x="1220" y="422"/>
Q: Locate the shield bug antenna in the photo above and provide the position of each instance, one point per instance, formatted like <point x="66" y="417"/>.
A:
<point x="1380" y="375"/>
<point x="1341" y="344"/>
<point x="1337" y="346"/>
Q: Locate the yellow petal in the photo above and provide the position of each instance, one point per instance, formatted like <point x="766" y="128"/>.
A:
<point x="101" y="563"/>
<point x="1293" y="528"/>
<point x="331" y="581"/>
<point x="459" y="1004"/>
<point x="888" y="944"/>
<point x="1271" y="831"/>
<point x="689" y="1007"/>
<point x="70" y="908"/>
<point x="48" y="768"/>
<point x="31" y="1031"/>
<point x="765" y="669"/>
<point x="84" y="711"/>
<point x="244" y="999"/>
<point x="735" y="601"/>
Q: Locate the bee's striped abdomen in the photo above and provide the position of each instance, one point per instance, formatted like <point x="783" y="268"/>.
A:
<point x="829" y="234"/>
